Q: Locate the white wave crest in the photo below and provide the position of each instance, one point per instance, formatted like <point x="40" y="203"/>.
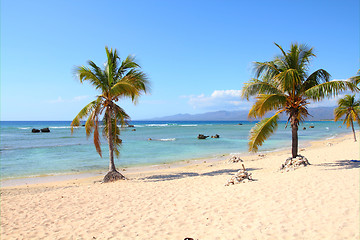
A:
<point x="167" y="139"/>
<point x="156" y="125"/>
<point x="163" y="139"/>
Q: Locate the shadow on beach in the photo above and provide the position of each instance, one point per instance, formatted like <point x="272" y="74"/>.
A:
<point x="341" y="164"/>
<point x="167" y="177"/>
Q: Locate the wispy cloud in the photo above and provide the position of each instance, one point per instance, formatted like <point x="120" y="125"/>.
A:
<point x="72" y="100"/>
<point x="219" y="100"/>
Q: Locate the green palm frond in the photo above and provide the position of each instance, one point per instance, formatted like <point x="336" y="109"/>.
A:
<point x="356" y="79"/>
<point x="339" y="112"/>
<point x="95" y="112"/>
<point x="83" y="113"/>
<point x="348" y="107"/>
<point x="126" y="65"/>
<point x="123" y="89"/>
<point x="256" y="86"/>
<point x="265" y="69"/>
<point x="261" y="131"/>
<point x="288" y="80"/>
<point x="329" y="89"/>
<point x="121" y="116"/>
<point x="266" y="103"/>
<point x="318" y="77"/>
<point x="116" y="80"/>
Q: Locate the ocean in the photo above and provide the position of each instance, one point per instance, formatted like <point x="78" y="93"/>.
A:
<point x="27" y="154"/>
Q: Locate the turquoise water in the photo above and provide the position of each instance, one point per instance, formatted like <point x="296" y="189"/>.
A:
<point x="25" y="154"/>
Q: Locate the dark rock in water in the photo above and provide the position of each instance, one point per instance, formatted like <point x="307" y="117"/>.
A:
<point x="133" y="130"/>
<point x="215" y="136"/>
<point x="304" y="128"/>
<point x="311" y="126"/>
<point x="34" y="130"/>
<point x="45" y="130"/>
<point x="131" y="126"/>
<point x="201" y="136"/>
<point x="240" y="124"/>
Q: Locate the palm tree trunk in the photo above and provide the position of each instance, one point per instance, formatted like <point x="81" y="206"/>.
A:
<point x="295" y="140"/>
<point x="352" y="126"/>
<point x="110" y="141"/>
<point x="112" y="175"/>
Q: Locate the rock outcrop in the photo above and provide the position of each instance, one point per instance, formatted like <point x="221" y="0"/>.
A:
<point x="45" y="130"/>
<point x="201" y="136"/>
<point x="294" y="163"/>
<point x="34" y="130"/>
<point x="235" y="159"/>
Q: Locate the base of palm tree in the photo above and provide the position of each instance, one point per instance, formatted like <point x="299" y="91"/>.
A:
<point x="294" y="163"/>
<point x="113" y="176"/>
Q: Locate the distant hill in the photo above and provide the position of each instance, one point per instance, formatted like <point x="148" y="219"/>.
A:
<point x="319" y="113"/>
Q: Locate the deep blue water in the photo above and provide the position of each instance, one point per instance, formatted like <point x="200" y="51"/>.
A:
<point x="25" y="154"/>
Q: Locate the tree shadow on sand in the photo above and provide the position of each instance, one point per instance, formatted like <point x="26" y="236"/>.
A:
<point x="341" y="164"/>
<point x="167" y="177"/>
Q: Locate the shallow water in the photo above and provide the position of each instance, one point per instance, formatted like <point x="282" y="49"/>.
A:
<point x="25" y="154"/>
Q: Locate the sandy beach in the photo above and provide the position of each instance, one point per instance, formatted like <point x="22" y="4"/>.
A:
<point x="320" y="201"/>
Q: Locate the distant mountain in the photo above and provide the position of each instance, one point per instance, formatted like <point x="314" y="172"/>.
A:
<point x="319" y="113"/>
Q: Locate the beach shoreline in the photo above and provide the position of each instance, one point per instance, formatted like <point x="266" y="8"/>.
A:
<point x="98" y="174"/>
<point x="320" y="201"/>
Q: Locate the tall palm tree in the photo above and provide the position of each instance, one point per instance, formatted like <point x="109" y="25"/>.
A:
<point x="284" y="85"/>
<point x="349" y="107"/>
<point x="119" y="79"/>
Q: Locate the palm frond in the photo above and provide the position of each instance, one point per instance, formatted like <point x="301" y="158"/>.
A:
<point x="318" y="77"/>
<point x="83" y="113"/>
<point x="256" y="86"/>
<point x="261" y="131"/>
<point x="123" y="89"/>
<point x="97" y="137"/>
<point x="266" y="103"/>
<point x="329" y="89"/>
<point x="265" y="69"/>
<point x="339" y="112"/>
<point x="288" y="81"/>
<point x="126" y="65"/>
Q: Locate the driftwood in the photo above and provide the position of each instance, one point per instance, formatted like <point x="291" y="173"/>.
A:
<point x="241" y="176"/>
<point x="294" y="163"/>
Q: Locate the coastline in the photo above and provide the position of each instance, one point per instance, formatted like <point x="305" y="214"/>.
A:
<point x="143" y="168"/>
<point x="320" y="201"/>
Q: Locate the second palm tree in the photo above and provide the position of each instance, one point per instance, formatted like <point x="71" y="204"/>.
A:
<point x="117" y="80"/>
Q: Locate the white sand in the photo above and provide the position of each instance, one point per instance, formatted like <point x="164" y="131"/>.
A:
<point x="320" y="201"/>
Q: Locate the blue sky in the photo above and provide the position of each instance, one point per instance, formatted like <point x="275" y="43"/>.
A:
<point x="197" y="54"/>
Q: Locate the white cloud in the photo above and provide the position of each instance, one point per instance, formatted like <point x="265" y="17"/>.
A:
<point x="219" y="100"/>
<point x="79" y="98"/>
<point x="73" y="100"/>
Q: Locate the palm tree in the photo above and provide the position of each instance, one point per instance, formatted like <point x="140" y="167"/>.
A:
<point x="119" y="79"/>
<point x="349" y="107"/>
<point x="356" y="79"/>
<point x="284" y="85"/>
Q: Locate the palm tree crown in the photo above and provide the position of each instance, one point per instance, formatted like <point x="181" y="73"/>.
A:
<point x="284" y="85"/>
<point x="118" y="79"/>
<point x="349" y="107"/>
